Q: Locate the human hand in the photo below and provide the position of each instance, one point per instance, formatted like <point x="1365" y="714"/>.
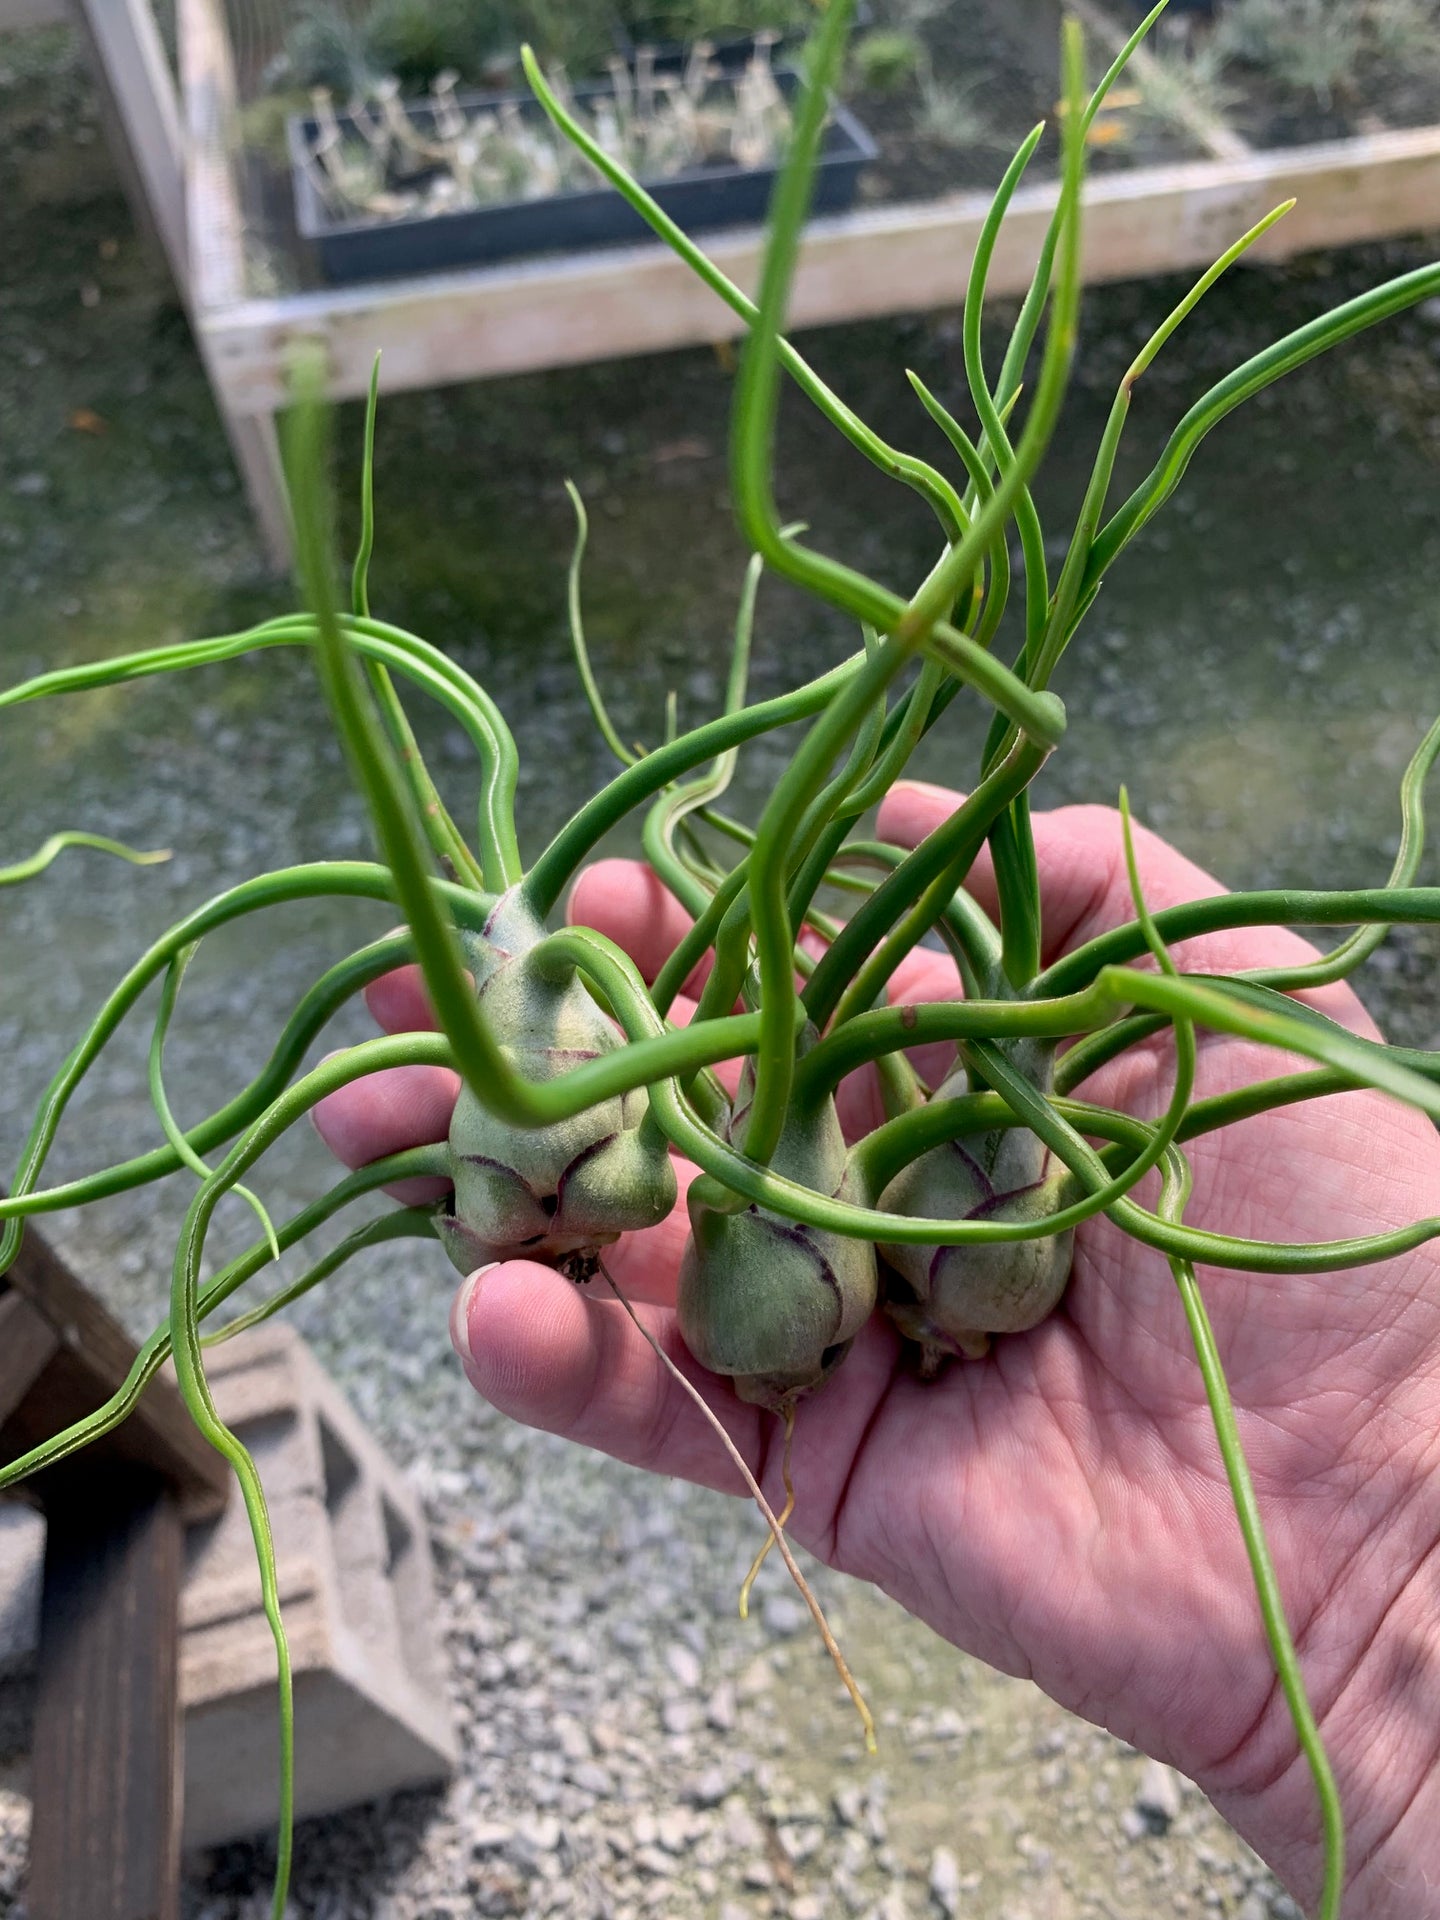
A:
<point x="1060" y="1508"/>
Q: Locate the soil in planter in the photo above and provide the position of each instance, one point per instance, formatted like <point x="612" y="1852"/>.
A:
<point x="982" y="73"/>
<point x="967" y="81"/>
<point x="1286" y="74"/>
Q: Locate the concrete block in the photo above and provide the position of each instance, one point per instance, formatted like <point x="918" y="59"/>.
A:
<point x="371" y="1715"/>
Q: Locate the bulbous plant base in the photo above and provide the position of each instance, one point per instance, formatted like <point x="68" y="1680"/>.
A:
<point x="761" y="1301"/>
<point x="980" y="1292"/>
<point x="774" y="1303"/>
<point x="951" y="1299"/>
<point x="558" y="1192"/>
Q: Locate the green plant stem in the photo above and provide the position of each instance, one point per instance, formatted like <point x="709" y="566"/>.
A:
<point x="1222" y="912"/>
<point x="161" y="1102"/>
<point x="413" y="1163"/>
<point x="324" y="879"/>
<point x="316" y="1008"/>
<point x="1174" y="1192"/>
<point x="416" y="659"/>
<point x="58" y="843"/>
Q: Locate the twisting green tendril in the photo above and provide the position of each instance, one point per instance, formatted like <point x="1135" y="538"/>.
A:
<point x="415" y="1162"/>
<point x="552" y="872"/>
<point x="580" y="651"/>
<point x="1062" y="1124"/>
<point x="1062" y="619"/>
<point x="1353" y="952"/>
<point x="406" y="1223"/>
<point x="444" y="836"/>
<point x="189" y="1361"/>
<point x="1222" y="912"/>
<point x="1317" y="337"/>
<point x="57" y="844"/>
<point x="333" y="879"/>
<point x="425" y="665"/>
<point x="360" y="572"/>
<point x="316" y="1008"/>
<point x="670" y="811"/>
<point x="1224" y="1009"/>
<point x="933" y="487"/>
<point x="161" y="1102"/>
<point x="1174" y="1193"/>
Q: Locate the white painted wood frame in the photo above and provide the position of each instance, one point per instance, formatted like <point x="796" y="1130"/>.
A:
<point x="560" y="310"/>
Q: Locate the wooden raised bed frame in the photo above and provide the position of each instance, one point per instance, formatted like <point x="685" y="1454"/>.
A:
<point x="555" y="311"/>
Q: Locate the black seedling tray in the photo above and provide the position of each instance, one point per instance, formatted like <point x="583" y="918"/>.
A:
<point x="704" y="197"/>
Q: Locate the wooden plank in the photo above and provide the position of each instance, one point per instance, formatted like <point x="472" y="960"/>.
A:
<point x="27" y="1341"/>
<point x="141" y="115"/>
<point x="105" y="1837"/>
<point x="215" y="268"/>
<point x="215" y="223"/>
<point x="256" y="445"/>
<point x="546" y="313"/>
<point x="93" y="1355"/>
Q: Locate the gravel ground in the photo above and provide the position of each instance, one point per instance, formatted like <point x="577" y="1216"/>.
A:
<point x="629" y="1746"/>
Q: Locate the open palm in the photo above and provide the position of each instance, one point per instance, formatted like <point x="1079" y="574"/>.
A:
<point x="1060" y="1509"/>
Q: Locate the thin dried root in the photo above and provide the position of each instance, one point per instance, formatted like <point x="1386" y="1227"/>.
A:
<point x="786" y="1511"/>
<point x="867" y="1719"/>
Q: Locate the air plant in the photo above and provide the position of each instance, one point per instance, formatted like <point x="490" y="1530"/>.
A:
<point x="577" y="1084"/>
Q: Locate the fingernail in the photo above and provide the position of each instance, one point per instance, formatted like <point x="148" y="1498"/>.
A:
<point x="460" y="1311"/>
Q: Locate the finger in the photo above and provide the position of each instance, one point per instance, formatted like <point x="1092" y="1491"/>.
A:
<point x="911" y="812"/>
<point x="386" y="1112"/>
<point x="399" y="1003"/>
<point x="569" y="1362"/>
<point x="628" y="902"/>
<point x="1080" y="856"/>
<point x="1085" y="888"/>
